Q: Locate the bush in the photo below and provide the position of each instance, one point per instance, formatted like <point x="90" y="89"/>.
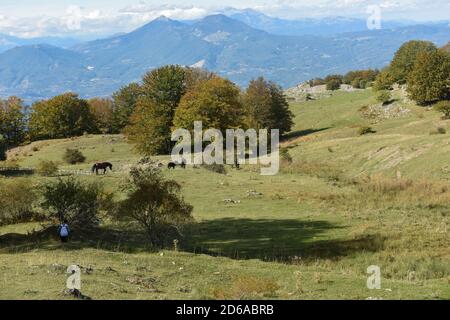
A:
<point x="333" y="84"/>
<point x="439" y="130"/>
<point x="365" y="130"/>
<point x="47" y="168"/>
<point x="79" y="203"/>
<point x="73" y="156"/>
<point x="383" y="81"/>
<point x="155" y="204"/>
<point x="17" y="199"/>
<point x="217" y="168"/>
<point x="384" y="97"/>
<point x="444" y="108"/>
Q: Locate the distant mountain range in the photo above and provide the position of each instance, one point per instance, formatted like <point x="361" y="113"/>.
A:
<point x="219" y="43"/>
<point x="307" y="26"/>
<point x="8" y="42"/>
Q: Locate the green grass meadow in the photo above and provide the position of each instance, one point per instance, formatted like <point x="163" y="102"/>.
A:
<point x="346" y="202"/>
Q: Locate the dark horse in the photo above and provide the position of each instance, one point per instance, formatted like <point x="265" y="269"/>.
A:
<point x="172" y="164"/>
<point x="102" y="166"/>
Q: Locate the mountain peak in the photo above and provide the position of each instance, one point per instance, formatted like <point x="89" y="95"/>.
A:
<point x="220" y="22"/>
<point x="162" y="18"/>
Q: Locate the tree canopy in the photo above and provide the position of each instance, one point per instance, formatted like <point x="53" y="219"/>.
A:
<point x="62" y="116"/>
<point x="429" y="80"/>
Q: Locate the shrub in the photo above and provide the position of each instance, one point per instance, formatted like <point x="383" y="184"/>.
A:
<point x="155" y="204"/>
<point x="333" y="84"/>
<point x="73" y="156"/>
<point x="217" y="168"/>
<point x="47" y="168"/>
<point x="444" y="108"/>
<point x="439" y="130"/>
<point x="3" y="148"/>
<point x="383" y="81"/>
<point x="365" y="130"/>
<point x="384" y="97"/>
<point x="79" y="203"/>
<point x="17" y="199"/>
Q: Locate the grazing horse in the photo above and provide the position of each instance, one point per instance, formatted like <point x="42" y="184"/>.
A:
<point x="172" y="165"/>
<point x="102" y="166"/>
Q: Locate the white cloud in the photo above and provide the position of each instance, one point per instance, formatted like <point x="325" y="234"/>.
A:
<point x="82" y="21"/>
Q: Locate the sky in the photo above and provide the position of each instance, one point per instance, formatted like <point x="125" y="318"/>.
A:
<point x="34" y="18"/>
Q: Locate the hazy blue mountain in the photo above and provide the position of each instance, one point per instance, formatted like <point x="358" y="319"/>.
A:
<point x="40" y="71"/>
<point x="219" y="43"/>
<point x="305" y="26"/>
<point x="8" y="42"/>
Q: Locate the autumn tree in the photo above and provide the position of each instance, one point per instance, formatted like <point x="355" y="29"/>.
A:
<point x="215" y="102"/>
<point x="360" y="78"/>
<point x="102" y="110"/>
<point x="405" y="58"/>
<point x="266" y="107"/>
<point x="429" y="80"/>
<point x="383" y="81"/>
<point x="62" y="116"/>
<point x="12" y="121"/>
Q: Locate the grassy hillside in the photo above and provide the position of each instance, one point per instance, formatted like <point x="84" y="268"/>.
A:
<point x="406" y="142"/>
<point x="340" y="207"/>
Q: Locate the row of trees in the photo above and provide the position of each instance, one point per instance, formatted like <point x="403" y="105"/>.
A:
<point x="168" y="97"/>
<point x="423" y="67"/>
<point x="175" y="97"/>
<point x="359" y="79"/>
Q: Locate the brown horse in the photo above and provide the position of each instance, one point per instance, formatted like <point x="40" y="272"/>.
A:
<point x="102" y="166"/>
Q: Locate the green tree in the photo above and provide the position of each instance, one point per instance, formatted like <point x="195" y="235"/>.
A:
<point x="405" y="57"/>
<point x="282" y="117"/>
<point x="257" y="105"/>
<point x="79" y="202"/>
<point x="383" y="81"/>
<point x="124" y="104"/>
<point x="162" y="90"/>
<point x="429" y="79"/>
<point x="215" y="102"/>
<point x="12" y="121"/>
<point x="62" y="116"/>
<point x="155" y="204"/>
<point x="145" y="131"/>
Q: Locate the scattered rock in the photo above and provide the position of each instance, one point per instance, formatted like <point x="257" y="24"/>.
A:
<point x="228" y="201"/>
<point x="253" y="193"/>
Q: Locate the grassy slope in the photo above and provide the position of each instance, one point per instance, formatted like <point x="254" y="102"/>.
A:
<point x="323" y="229"/>
<point x="403" y="144"/>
